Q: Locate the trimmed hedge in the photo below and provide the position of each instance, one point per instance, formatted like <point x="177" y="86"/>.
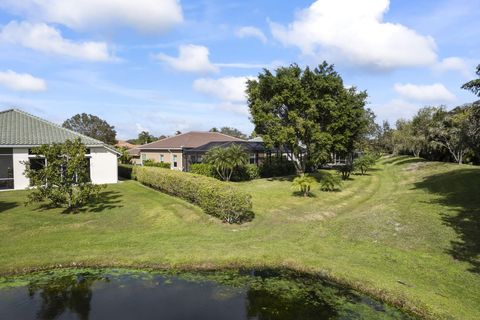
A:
<point x="216" y="198"/>
<point x="153" y="163"/>
<point x="243" y="173"/>
<point x="205" y="169"/>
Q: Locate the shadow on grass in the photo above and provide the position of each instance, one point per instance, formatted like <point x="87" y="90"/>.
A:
<point x="394" y="159"/>
<point x="5" y="205"/>
<point x="301" y="195"/>
<point x="408" y="161"/>
<point x="459" y="191"/>
<point x="106" y="200"/>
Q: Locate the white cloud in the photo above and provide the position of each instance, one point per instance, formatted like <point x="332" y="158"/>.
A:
<point x="143" y="15"/>
<point x="436" y="92"/>
<point x="226" y="89"/>
<point x="44" y="38"/>
<point x="396" y="109"/>
<point x="239" y="108"/>
<point x="354" y="31"/>
<point x="191" y="58"/>
<point x="21" y="81"/>
<point x="248" y="31"/>
<point x="454" y="64"/>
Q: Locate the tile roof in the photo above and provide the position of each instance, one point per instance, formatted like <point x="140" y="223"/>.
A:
<point x="190" y="139"/>
<point x="250" y="146"/>
<point x="21" y="128"/>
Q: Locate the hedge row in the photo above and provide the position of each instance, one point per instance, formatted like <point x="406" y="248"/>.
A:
<point x="216" y="198"/>
<point x="125" y="171"/>
<point x="243" y="173"/>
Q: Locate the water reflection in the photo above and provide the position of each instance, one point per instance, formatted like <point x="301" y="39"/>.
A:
<point x="67" y="293"/>
<point x="96" y="294"/>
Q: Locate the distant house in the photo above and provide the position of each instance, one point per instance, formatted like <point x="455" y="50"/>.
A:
<point x="125" y="144"/>
<point x="20" y="132"/>
<point x="185" y="149"/>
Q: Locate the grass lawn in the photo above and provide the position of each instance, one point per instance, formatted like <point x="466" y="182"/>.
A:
<point x="408" y="232"/>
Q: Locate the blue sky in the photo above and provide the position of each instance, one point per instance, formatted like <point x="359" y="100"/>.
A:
<point x="167" y="65"/>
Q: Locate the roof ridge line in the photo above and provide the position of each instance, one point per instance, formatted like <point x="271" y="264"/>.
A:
<point x="53" y="124"/>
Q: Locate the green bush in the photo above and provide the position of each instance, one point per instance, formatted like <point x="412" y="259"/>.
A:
<point x="364" y="163"/>
<point x="153" y="163"/>
<point x="304" y="184"/>
<point x="125" y="171"/>
<point x="241" y="173"/>
<point x="345" y="170"/>
<point x="330" y="182"/>
<point x="216" y="198"/>
<point x="204" y="169"/>
<point x="277" y="167"/>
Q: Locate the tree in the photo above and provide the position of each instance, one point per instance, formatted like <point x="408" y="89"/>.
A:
<point x="64" y="179"/>
<point x="304" y="183"/>
<point x="449" y="130"/>
<point x="231" y="132"/>
<point x="125" y="157"/>
<point x="145" y="137"/>
<point x="225" y="160"/>
<point x="474" y="85"/>
<point x="364" y="163"/>
<point x="472" y="127"/>
<point x="307" y="114"/>
<point x="92" y="126"/>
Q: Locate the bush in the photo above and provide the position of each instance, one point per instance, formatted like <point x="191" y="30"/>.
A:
<point x="246" y="173"/>
<point x="330" y="182"/>
<point x="345" y="171"/>
<point x="153" y="163"/>
<point x="216" y="198"/>
<point x="364" y="163"/>
<point x="241" y="173"/>
<point x="304" y="184"/>
<point x="125" y="171"/>
<point x="277" y="167"/>
<point x="203" y="169"/>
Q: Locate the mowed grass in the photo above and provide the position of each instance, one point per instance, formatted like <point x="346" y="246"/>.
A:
<point x="408" y="232"/>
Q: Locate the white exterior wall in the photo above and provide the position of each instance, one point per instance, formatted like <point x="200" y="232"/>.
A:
<point x="19" y="180"/>
<point x="103" y="166"/>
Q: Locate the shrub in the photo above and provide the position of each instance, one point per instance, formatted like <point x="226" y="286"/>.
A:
<point x="226" y="160"/>
<point x="153" y="163"/>
<point x="125" y="171"/>
<point x="204" y="169"/>
<point x="304" y="184"/>
<point x="364" y="163"/>
<point x="216" y="198"/>
<point x="276" y="167"/>
<point x="345" y="171"/>
<point x="330" y="182"/>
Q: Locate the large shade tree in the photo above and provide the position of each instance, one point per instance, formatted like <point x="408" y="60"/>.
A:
<point x="474" y="85"/>
<point x="92" y="126"/>
<point x="308" y="114"/>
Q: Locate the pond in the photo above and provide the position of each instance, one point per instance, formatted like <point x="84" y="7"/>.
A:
<point x="127" y="294"/>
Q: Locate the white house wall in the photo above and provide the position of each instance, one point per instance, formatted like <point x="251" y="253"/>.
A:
<point x="103" y="166"/>
<point x="20" y="181"/>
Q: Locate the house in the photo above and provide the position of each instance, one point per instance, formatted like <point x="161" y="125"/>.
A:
<point x="20" y="132"/>
<point x="181" y="150"/>
<point x="125" y="144"/>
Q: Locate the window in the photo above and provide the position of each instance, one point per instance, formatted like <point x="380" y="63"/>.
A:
<point x="6" y="169"/>
<point x="162" y="158"/>
<point x="174" y="160"/>
<point x="253" y="158"/>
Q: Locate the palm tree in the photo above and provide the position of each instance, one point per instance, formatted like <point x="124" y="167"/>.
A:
<point x="225" y="160"/>
<point x="304" y="184"/>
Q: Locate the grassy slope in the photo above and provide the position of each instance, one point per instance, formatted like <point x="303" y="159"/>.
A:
<point x="393" y="233"/>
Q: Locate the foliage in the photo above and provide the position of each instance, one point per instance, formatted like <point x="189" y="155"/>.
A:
<point x="345" y="170"/>
<point x="308" y="114"/>
<point x="153" y="163"/>
<point x="449" y="130"/>
<point x="225" y="160"/>
<point x="474" y="85"/>
<point x="276" y="167"/>
<point x="330" y="182"/>
<point x="241" y="173"/>
<point x="65" y="180"/>
<point x="364" y="163"/>
<point x="304" y="183"/>
<point x="126" y="171"/>
<point x="92" y="126"/>
<point x="234" y="132"/>
<point x="145" y="137"/>
<point x="205" y="169"/>
<point x="125" y="157"/>
<point x="216" y="198"/>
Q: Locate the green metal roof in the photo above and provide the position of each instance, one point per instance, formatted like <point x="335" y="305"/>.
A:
<point x="18" y="128"/>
